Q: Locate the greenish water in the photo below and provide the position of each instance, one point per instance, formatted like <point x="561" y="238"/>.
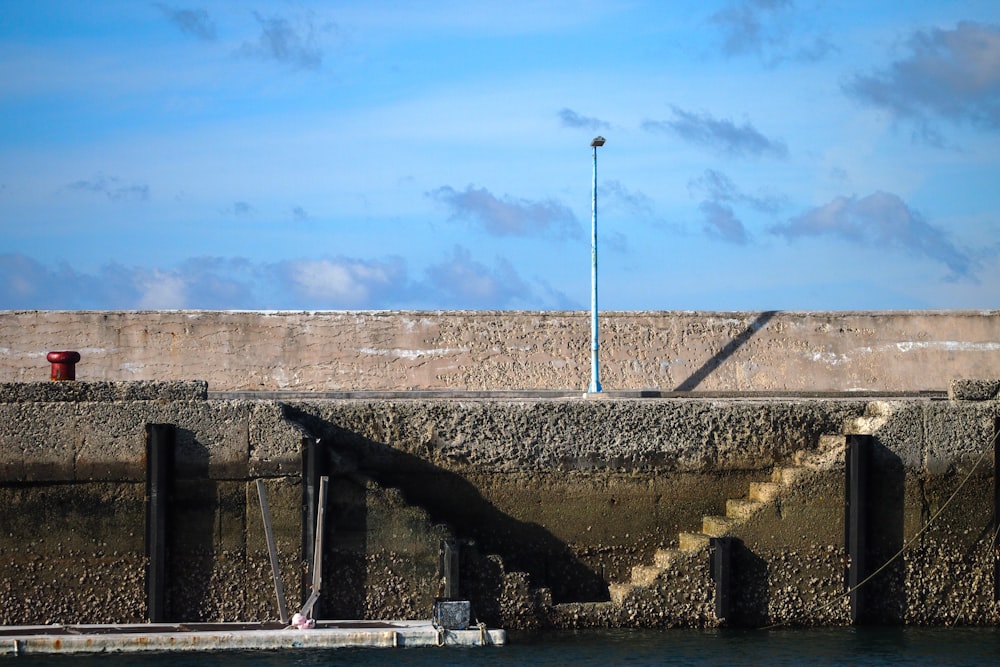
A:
<point x="872" y="647"/>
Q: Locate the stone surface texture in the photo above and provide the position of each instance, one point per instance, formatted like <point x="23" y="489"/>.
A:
<point x="553" y="503"/>
<point x="490" y="350"/>
<point x="567" y="511"/>
<point x="974" y="390"/>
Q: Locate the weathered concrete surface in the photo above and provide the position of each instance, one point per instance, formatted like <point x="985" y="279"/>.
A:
<point x="974" y="390"/>
<point x="125" y="638"/>
<point x="66" y="440"/>
<point x="551" y="500"/>
<point x="485" y="350"/>
<point x="576" y="493"/>
<point x="72" y="484"/>
<point x="608" y="480"/>
<point x="72" y="391"/>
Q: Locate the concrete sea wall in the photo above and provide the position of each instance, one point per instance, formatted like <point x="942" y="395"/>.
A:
<point x="566" y="512"/>
<point x="484" y="350"/>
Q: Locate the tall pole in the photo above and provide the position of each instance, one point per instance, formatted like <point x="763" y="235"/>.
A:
<point x="595" y="379"/>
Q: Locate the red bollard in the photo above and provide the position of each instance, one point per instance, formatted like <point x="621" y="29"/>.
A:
<point x="63" y="364"/>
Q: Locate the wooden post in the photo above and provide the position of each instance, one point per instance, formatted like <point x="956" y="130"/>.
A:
<point x="450" y="569"/>
<point x="313" y="468"/>
<point x="996" y="510"/>
<point x="856" y="523"/>
<point x="160" y="442"/>
<point x="722" y="569"/>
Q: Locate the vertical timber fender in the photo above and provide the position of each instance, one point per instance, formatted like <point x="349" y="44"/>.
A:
<point x="161" y="440"/>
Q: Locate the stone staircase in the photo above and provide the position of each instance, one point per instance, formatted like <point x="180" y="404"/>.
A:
<point x="675" y="563"/>
<point x="411" y="525"/>
<point x="828" y="454"/>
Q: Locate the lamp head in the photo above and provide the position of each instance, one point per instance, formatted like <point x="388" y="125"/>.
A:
<point x="598" y="141"/>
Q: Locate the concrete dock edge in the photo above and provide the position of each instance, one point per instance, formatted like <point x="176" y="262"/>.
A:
<point x="59" y="639"/>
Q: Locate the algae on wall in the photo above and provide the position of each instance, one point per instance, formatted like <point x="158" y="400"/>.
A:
<point x="555" y="503"/>
<point x="73" y="488"/>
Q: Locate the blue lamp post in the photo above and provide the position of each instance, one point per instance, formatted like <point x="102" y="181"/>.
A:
<point x="595" y="376"/>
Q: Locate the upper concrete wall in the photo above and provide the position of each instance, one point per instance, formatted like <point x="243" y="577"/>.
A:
<point x="492" y="350"/>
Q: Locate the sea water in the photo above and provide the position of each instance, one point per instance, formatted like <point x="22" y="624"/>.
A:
<point x="870" y="647"/>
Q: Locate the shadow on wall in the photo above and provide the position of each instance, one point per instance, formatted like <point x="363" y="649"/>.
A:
<point x="885" y="594"/>
<point x="345" y="536"/>
<point x="722" y="355"/>
<point x="450" y="499"/>
<point x="752" y="592"/>
<point x="191" y="546"/>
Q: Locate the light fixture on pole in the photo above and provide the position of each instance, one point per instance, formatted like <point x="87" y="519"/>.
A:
<point x="595" y="376"/>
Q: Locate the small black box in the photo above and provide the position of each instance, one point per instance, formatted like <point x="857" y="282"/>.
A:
<point x="452" y="614"/>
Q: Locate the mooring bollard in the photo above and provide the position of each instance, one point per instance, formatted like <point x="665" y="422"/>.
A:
<point x="63" y="364"/>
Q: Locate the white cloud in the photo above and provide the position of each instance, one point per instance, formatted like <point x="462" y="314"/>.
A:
<point x="471" y="284"/>
<point x="342" y="282"/>
<point x="951" y="74"/>
<point x="288" y="43"/>
<point x="880" y="219"/>
<point x="570" y="118"/>
<point x="722" y="135"/>
<point x="508" y="216"/>
<point x="721" y="222"/>
<point x="112" y="188"/>
<point x="771" y="30"/>
<point x="162" y="291"/>
<point x="194" y="22"/>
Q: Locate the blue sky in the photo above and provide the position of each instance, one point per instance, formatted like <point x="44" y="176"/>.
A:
<point x="761" y="154"/>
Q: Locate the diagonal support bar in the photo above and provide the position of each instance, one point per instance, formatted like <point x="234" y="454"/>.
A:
<point x="317" y="569"/>
<point x="272" y="550"/>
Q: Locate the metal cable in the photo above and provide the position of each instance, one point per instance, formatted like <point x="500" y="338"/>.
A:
<point x="905" y="546"/>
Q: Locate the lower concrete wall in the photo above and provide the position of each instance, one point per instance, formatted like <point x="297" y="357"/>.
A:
<point x="567" y="512"/>
<point x="666" y="351"/>
<point x="72" y="482"/>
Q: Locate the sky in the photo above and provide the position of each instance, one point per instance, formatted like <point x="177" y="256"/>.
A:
<point x="376" y="154"/>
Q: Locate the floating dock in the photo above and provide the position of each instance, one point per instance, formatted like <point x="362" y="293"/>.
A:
<point x="125" y="638"/>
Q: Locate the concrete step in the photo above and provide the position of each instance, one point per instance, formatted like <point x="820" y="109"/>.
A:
<point x="826" y="453"/>
<point x="644" y="575"/>
<point x="829" y="454"/>
<point x="831" y="441"/>
<point x="764" y="492"/>
<point x="859" y="425"/>
<point x="581" y="609"/>
<point x="543" y="597"/>
<point x="664" y="558"/>
<point x="619" y="592"/>
<point x="877" y="413"/>
<point x="693" y="541"/>
<point x="786" y="474"/>
<point x="742" y="508"/>
<point x="717" y="526"/>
